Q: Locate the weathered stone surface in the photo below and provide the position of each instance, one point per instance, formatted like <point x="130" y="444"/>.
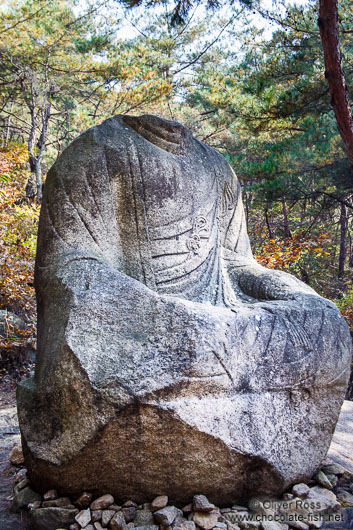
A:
<point x="34" y="505"/>
<point x="24" y="497"/>
<point x="20" y="475"/>
<point x="271" y="525"/>
<point x="129" y="504"/>
<point x="25" y="482"/>
<point x="345" y="498"/>
<point x="16" y="456"/>
<point x="166" y="516"/>
<point x="50" y="495"/>
<point x="116" y="507"/>
<point x="58" y="503"/>
<point x="300" y="490"/>
<point x="96" y="515"/>
<point x="144" y="518"/>
<point x="118" y="522"/>
<point x="107" y="516"/>
<point x="340" y="450"/>
<point x="129" y="513"/>
<point x="206" y="520"/>
<point x="52" y="518"/>
<point x="322" y="480"/>
<point x="333" y="469"/>
<point x="83" y="517"/>
<point x="325" y="499"/>
<point x="232" y="526"/>
<point x="202" y="504"/>
<point x="159" y="502"/>
<point x="180" y="523"/>
<point x="102" y="502"/>
<point x="333" y="479"/>
<point x="299" y="525"/>
<point x="84" y="500"/>
<point x="159" y="334"/>
<point x="148" y="527"/>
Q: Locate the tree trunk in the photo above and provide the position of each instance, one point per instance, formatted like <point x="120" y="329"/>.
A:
<point x="31" y="183"/>
<point x="39" y="180"/>
<point x="328" y="25"/>
<point x="31" y="186"/>
<point x="268" y="224"/>
<point x="350" y="259"/>
<point x="246" y="201"/>
<point x="41" y="146"/>
<point x="287" y="231"/>
<point x="304" y="276"/>
<point x="343" y="246"/>
<point x="303" y="215"/>
<point x="7" y="135"/>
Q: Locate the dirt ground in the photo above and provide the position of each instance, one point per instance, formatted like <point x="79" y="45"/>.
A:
<point x="9" y="434"/>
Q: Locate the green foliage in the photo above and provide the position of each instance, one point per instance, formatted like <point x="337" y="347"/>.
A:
<point x="345" y="305"/>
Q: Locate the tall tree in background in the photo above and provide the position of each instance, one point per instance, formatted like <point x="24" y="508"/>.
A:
<point x="281" y="135"/>
<point x="43" y="72"/>
<point x="329" y="31"/>
<point x="334" y="73"/>
<point x="62" y="71"/>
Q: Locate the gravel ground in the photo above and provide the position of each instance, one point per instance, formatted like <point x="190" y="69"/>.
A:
<point x="9" y="434"/>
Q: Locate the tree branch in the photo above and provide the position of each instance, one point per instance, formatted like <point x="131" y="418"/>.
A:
<point x="32" y="15"/>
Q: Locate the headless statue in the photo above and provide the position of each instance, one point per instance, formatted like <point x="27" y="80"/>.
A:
<point x="169" y="361"/>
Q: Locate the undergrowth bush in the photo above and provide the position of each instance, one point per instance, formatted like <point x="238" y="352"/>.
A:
<point x="18" y="231"/>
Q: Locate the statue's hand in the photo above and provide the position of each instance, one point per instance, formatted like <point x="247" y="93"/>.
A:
<point x="266" y="284"/>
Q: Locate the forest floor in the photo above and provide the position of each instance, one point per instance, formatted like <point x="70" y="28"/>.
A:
<point x="9" y="434"/>
<point x="341" y="449"/>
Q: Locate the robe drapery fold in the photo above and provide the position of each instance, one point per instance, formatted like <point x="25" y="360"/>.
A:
<point x="170" y="215"/>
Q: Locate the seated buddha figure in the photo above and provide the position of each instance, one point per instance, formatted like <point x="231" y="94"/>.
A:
<point x="169" y="361"/>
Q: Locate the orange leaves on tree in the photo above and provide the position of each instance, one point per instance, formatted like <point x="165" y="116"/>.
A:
<point x="18" y="228"/>
<point x="283" y="253"/>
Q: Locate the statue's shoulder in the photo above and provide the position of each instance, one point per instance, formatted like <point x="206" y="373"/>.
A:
<point x="87" y="152"/>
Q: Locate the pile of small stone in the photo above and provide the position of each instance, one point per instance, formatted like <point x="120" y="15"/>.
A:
<point x="330" y="491"/>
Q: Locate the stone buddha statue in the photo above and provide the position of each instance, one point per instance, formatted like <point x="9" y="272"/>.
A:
<point x="169" y="361"/>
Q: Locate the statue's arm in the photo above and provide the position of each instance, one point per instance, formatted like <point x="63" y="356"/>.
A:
<point x="265" y="284"/>
<point x="244" y="272"/>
